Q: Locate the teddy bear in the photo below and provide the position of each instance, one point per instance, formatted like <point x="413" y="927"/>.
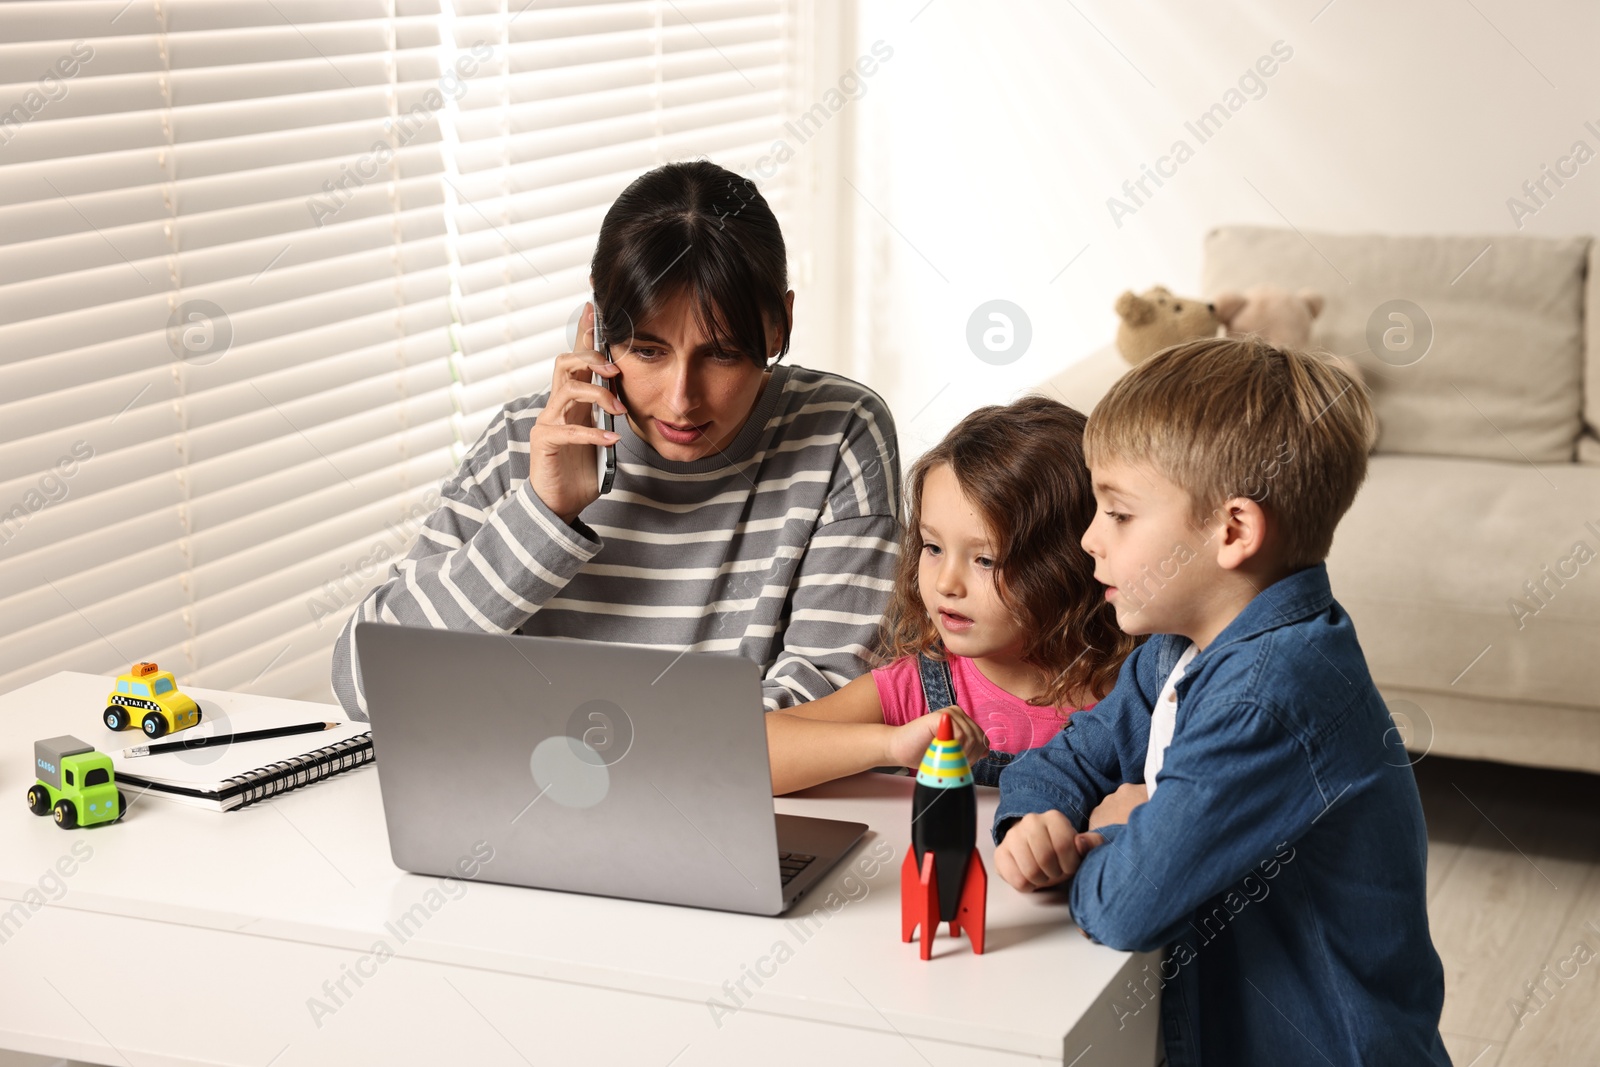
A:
<point x="1271" y="312"/>
<point x="1158" y="320"/>
<point x="1278" y="316"/>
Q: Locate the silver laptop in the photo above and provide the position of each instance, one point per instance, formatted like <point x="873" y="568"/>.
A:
<point x="586" y="767"/>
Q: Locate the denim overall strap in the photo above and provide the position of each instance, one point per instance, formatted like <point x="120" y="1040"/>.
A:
<point x="939" y="691"/>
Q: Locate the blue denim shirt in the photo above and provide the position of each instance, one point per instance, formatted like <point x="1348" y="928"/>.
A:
<point x="1281" y="860"/>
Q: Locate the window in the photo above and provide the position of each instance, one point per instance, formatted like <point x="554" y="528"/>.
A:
<point x="124" y="687"/>
<point x="268" y="270"/>
<point x="98" y="776"/>
<point x="140" y="689"/>
<point x="68" y="775"/>
<point x="163" y="685"/>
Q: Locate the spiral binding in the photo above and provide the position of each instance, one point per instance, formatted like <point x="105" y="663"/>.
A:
<point x="284" y="775"/>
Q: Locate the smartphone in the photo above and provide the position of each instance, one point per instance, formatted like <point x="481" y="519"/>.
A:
<point x="605" y="455"/>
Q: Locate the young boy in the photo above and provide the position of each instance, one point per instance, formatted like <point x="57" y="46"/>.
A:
<point x="1280" y="858"/>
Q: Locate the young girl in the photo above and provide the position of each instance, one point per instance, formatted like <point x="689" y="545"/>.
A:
<point x="995" y="609"/>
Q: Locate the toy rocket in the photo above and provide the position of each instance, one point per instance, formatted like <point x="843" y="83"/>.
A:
<point x="942" y="878"/>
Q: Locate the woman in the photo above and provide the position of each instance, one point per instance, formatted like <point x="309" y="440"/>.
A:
<point x="755" y="508"/>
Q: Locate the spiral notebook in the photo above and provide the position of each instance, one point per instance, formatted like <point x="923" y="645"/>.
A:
<point x="232" y="776"/>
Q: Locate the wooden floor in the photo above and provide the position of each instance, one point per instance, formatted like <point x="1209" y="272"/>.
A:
<point x="1514" y="906"/>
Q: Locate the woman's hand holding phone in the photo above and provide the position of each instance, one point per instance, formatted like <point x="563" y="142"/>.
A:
<point x="561" y="447"/>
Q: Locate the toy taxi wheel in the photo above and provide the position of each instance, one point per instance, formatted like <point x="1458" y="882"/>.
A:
<point x="122" y="804"/>
<point x="154" y="725"/>
<point x="38" y="800"/>
<point x="66" y="815"/>
<point x="116" y="718"/>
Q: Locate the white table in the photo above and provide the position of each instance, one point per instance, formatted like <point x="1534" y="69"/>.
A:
<point x="186" y="936"/>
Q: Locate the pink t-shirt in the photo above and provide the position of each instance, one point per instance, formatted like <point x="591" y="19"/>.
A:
<point x="1011" y="723"/>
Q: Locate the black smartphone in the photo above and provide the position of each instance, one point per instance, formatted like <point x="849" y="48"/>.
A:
<point x="605" y="455"/>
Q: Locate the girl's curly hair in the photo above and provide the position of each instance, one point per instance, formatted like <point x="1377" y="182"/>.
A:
<point x="1021" y="467"/>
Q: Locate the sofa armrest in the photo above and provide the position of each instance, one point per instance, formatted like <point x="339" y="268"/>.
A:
<point x="1082" y="384"/>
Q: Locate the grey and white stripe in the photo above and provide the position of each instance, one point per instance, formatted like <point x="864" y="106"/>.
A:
<point x="782" y="549"/>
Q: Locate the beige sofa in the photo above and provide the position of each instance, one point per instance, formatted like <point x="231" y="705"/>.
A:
<point x="1470" y="561"/>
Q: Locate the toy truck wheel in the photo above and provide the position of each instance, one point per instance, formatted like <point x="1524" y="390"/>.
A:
<point x="154" y="725"/>
<point x="66" y="815"/>
<point x="38" y="800"/>
<point x="122" y="804"/>
<point x="116" y="718"/>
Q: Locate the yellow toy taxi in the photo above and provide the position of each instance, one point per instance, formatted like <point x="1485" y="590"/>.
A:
<point x="148" y="696"/>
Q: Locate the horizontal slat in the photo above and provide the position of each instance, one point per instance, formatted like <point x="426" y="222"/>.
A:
<point x="132" y="249"/>
<point x="490" y="68"/>
<point x="628" y="127"/>
<point x="189" y="598"/>
<point x="299" y="677"/>
<point x="191" y="174"/>
<point x="119" y="412"/>
<point x="50" y="20"/>
<point x="289" y="188"/>
<point x="146" y="319"/>
<point x="280" y="371"/>
<point x="277" y="276"/>
<point x="131" y="514"/>
<point x="189" y="178"/>
<point x="295" y="665"/>
<point x="53" y="20"/>
<point x="233" y="86"/>
<point x="225" y="244"/>
<point x="101" y="57"/>
<point x="503" y="373"/>
<point x="332" y="482"/>
<point x="48" y="135"/>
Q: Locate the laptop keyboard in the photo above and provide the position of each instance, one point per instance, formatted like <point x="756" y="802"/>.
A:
<point x="792" y="863"/>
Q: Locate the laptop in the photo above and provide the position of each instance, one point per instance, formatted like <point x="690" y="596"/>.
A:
<point x="586" y="767"/>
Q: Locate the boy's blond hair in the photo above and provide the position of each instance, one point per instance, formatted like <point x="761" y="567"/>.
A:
<point x="1227" y="417"/>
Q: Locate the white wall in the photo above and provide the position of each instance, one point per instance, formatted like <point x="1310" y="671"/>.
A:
<point x="994" y="136"/>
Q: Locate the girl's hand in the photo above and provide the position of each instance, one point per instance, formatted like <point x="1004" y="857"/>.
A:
<point x="907" y="743"/>
<point x="561" y="459"/>
<point x="1115" y="808"/>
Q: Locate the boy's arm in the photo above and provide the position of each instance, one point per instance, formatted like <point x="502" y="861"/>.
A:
<point x="1234" y="789"/>
<point x="1094" y="753"/>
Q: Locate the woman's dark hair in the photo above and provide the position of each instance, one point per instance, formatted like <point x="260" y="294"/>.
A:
<point x="700" y="229"/>
<point x="1021" y="466"/>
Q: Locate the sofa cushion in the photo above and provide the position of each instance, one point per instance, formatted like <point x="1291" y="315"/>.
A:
<point x="1439" y="560"/>
<point x="1503" y="376"/>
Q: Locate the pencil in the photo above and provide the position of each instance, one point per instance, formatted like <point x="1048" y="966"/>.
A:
<point x="204" y="740"/>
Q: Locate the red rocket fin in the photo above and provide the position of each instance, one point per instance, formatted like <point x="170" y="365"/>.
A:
<point x="970" y="915"/>
<point x="910" y="912"/>
<point x="919" y="900"/>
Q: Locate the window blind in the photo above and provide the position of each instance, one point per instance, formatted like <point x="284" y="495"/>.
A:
<point x="268" y="268"/>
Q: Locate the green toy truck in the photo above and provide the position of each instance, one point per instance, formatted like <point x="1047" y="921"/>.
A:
<point x="75" y="782"/>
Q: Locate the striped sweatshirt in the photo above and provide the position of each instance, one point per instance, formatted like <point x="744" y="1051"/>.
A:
<point x="782" y="548"/>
